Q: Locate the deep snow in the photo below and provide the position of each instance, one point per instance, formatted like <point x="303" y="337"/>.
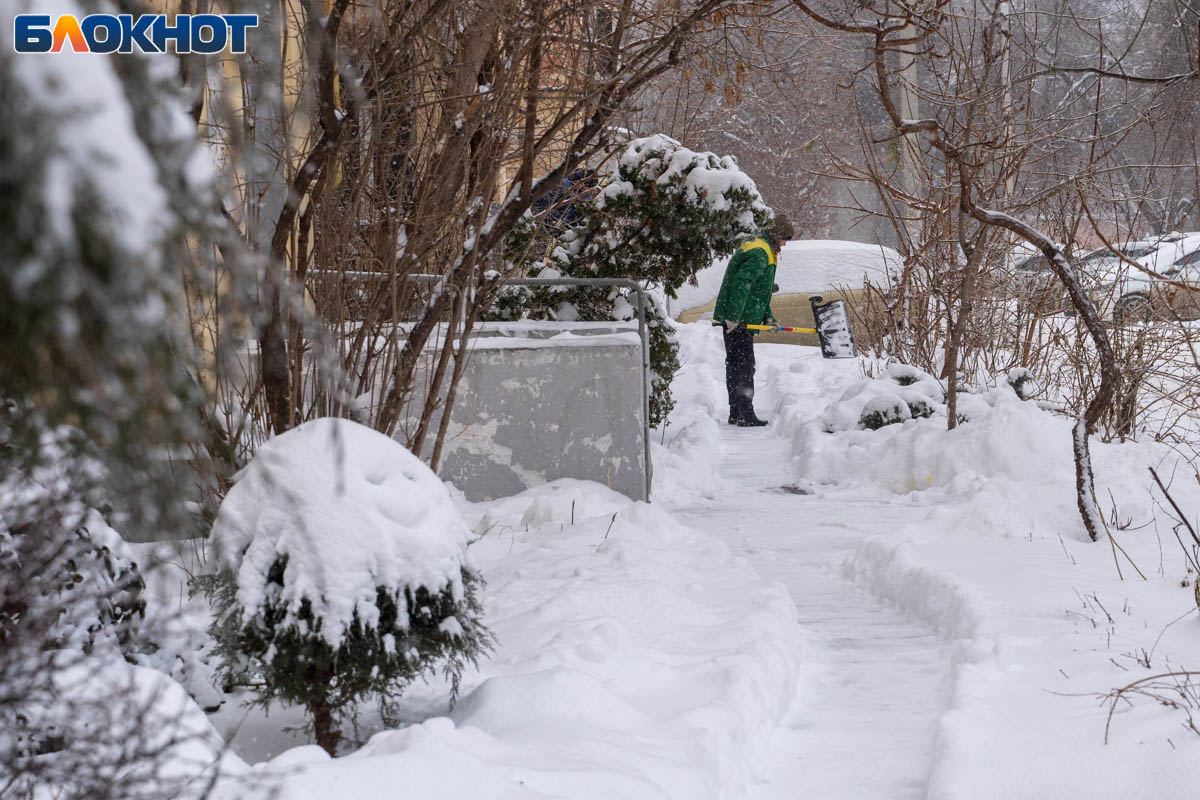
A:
<point x="637" y="658"/>
<point x="805" y="610"/>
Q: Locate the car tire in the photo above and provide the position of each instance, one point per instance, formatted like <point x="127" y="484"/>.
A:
<point x="1133" y="308"/>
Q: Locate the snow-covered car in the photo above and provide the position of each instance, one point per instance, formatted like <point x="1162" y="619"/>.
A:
<point x="832" y="268"/>
<point x="1030" y="280"/>
<point x="1133" y="292"/>
<point x="1036" y="283"/>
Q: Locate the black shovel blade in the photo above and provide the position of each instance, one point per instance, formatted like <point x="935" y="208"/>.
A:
<point x="833" y="328"/>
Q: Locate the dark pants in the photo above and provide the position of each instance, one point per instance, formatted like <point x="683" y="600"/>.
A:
<point x="739" y="372"/>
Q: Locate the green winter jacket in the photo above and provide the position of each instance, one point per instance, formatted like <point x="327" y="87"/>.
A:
<point x="745" y="294"/>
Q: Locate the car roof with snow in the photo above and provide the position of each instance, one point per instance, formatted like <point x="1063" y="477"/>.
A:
<point x="806" y="265"/>
<point x="1172" y="248"/>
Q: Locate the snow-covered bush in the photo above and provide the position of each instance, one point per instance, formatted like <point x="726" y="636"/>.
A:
<point x="665" y="213"/>
<point x="77" y="719"/>
<point x="343" y="574"/>
<point x="883" y="409"/>
<point x="88" y="592"/>
<point x="907" y="375"/>
<point x="920" y="407"/>
<point x="900" y="393"/>
<point x="878" y="429"/>
<point x="1023" y="383"/>
<point x="903" y="392"/>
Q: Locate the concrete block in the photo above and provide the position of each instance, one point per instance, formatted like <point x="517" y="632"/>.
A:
<point x="541" y="401"/>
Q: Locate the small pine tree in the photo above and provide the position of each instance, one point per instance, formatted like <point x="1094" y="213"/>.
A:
<point x="286" y="657"/>
<point x="343" y="575"/>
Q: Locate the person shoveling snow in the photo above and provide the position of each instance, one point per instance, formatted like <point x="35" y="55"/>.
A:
<point x="743" y="308"/>
<point x="745" y="300"/>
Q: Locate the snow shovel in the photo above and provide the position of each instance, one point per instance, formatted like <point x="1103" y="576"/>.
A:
<point x="833" y="328"/>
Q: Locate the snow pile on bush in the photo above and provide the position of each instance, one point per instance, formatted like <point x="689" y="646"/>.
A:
<point x="882" y="429"/>
<point x="344" y="572"/>
<point x="349" y="509"/>
<point x="107" y="716"/>
<point x="903" y="392"/>
<point x="636" y="659"/>
<point x="1006" y="450"/>
<point x="80" y="582"/>
<point x="709" y="179"/>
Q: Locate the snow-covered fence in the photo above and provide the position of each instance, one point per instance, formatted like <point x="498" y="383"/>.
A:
<point x="546" y="400"/>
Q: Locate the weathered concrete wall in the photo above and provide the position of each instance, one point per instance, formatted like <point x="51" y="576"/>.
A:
<point x="537" y="403"/>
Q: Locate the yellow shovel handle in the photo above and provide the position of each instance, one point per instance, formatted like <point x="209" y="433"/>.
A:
<point x="781" y="329"/>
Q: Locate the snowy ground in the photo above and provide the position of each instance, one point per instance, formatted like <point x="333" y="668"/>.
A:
<point x="1002" y="626"/>
<point x="637" y="658"/>
<point x="906" y="612"/>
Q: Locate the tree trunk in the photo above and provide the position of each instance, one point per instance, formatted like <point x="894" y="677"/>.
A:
<point x="273" y="364"/>
<point x="325" y="730"/>
<point x="434" y="387"/>
<point x="966" y="305"/>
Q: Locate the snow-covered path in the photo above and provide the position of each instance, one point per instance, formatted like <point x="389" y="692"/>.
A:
<point x="876" y="683"/>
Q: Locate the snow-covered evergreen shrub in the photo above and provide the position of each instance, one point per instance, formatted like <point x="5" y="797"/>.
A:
<point x="920" y="407"/>
<point x="1023" y="383"/>
<point x="344" y="574"/>
<point x="664" y="214"/>
<point x="667" y="213"/>
<point x="915" y="381"/>
<point x="903" y="392"/>
<point x="664" y="362"/>
<point x="883" y="409"/>
<point x="906" y="375"/>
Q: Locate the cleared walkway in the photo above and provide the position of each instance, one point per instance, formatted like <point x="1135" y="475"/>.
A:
<point x="864" y="723"/>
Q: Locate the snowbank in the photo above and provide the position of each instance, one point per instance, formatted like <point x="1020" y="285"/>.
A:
<point x="116" y="725"/>
<point x="351" y="510"/>
<point x="1043" y="628"/>
<point x="809" y="265"/>
<point x="686" y="455"/>
<point x="1006" y="452"/>
<point x="637" y="659"/>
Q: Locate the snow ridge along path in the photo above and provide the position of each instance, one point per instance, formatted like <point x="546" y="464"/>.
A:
<point x="875" y="683"/>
